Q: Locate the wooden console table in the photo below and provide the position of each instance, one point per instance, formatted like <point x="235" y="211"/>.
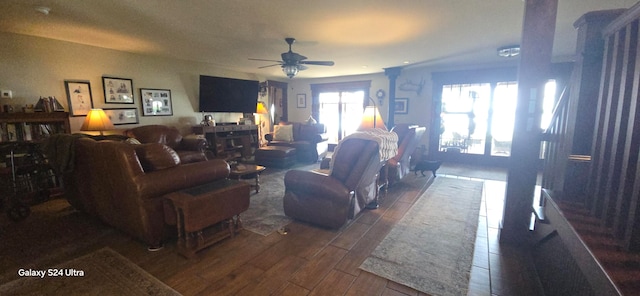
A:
<point x="230" y="140"/>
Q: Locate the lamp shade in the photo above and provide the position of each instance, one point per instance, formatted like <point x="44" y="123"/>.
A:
<point x="261" y="109"/>
<point x="371" y="119"/>
<point x="96" y="120"/>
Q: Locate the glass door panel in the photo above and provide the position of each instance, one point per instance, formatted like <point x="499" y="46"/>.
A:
<point x="503" y="119"/>
<point x="464" y="115"/>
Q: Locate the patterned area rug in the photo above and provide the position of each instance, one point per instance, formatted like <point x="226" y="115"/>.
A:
<point x="431" y="248"/>
<point x="266" y="213"/>
<point x="103" y="272"/>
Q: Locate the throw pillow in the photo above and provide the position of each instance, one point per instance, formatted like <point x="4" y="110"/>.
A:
<point x="311" y="120"/>
<point x="155" y="156"/>
<point x="283" y="133"/>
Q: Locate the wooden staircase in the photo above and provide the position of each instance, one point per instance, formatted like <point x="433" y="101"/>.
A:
<point x="591" y="178"/>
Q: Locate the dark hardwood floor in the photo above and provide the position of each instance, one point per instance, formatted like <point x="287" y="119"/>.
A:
<point x="306" y="261"/>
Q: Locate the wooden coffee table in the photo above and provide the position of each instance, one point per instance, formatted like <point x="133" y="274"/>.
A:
<point x="247" y="171"/>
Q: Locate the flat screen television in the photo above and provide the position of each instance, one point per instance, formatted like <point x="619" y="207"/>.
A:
<point x="220" y="94"/>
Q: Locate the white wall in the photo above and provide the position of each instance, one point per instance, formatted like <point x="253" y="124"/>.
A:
<point x="32" y="67"/>
<point x="419" y="111"/>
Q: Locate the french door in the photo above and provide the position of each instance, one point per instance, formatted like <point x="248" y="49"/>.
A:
<point x="473" y="122"/>
<point x="478" y="118"/>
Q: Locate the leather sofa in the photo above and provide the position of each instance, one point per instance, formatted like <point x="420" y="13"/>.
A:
<point x="309" y="139"/>
<point x="409" y="137"/>
<point x="331" y="200"/>
<point x="189" y="149"/>
<point x="123" y="185"/>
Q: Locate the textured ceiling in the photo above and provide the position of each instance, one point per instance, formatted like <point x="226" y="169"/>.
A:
<point x="361" y="36"/>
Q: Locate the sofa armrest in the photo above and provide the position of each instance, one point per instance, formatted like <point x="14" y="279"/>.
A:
<point x="194" y="144"/>
<point x="315" y="185"/>
<point x="321" y="137"/>
<point x="161" y="182"/>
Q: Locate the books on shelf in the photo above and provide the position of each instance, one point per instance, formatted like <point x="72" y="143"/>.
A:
<point x="26" y="131"/>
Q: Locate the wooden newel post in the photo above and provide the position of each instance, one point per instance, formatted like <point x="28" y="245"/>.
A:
<point x="534" y="71"/>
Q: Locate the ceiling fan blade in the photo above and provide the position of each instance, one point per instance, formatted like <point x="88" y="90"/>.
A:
<point x="269" y="66"/>
<point x="251" y="59"/>
<point x="292" y="57"/>
<point x="318" y="63"/>
<point x="302" y="67"/>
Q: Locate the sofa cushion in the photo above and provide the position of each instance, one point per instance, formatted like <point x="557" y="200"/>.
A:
<point x="307" y="132"/>
<point x="283" y="133"/>
<point x="155" y="156"/>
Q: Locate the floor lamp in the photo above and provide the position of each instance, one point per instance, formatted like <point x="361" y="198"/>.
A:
<point x="371" y="119"/>
<point x="260" y="109"/>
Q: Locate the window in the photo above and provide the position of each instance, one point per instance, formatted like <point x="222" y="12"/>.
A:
<point x="339" y="106"/>
<point x="341" y="113"/>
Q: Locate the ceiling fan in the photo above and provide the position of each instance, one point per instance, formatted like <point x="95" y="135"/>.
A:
<point x="293" y="62"/>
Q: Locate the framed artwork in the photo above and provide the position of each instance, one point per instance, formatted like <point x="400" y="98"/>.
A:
<point x="156" y="102"/>
<point x="401" y="106"/>
<point x="117" y="90"/>
<point x="122" y="115"/>
<point x="302" y="101"/>
<point x="79" y="97"/>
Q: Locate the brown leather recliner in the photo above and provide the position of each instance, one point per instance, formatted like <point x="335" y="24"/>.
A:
<point x="189" y="149"/>
<point x="123" y="184"/>
<point x="409" y="137"/>
<point x="331" y="200"/>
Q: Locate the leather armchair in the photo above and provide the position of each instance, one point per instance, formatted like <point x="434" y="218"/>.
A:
<point x="123" y="184"/>
<point x="409" y="137"/>
<point x="189" y="149"/>
<point x="331" y="200"/>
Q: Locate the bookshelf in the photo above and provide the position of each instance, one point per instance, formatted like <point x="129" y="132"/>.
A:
<point x="17" y="127"/>
<point x="25" y="175"/>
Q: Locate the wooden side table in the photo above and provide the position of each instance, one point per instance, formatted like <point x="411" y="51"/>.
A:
<point x="247" y="171"/>
<point x="208" y="213"/>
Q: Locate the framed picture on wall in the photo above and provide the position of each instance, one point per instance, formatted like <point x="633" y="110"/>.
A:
<point x="401" y="106"/>
<point x="117" y="90"/>
<point x="156" y="102"/>
<point x="122" y="115"/>
<point x="79" y="97"/>
<point x="302" y="100"/>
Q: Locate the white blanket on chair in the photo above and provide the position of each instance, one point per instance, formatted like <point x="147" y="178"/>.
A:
<point x="387" y="143"/>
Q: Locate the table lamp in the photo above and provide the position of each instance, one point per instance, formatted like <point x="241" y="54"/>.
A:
<point x="97" y="120"/>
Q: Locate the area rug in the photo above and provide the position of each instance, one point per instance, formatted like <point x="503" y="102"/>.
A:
<point x="103" y="272"/>
<point x="431" y="247"/>
<point x="266" y="212"/>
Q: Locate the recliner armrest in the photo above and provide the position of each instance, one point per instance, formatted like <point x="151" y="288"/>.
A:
<point x="316" y="185"/>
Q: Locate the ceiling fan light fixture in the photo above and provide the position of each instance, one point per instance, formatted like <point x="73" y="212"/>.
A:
<point x="509" y="51"/>
<point x="290" y="70"/>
